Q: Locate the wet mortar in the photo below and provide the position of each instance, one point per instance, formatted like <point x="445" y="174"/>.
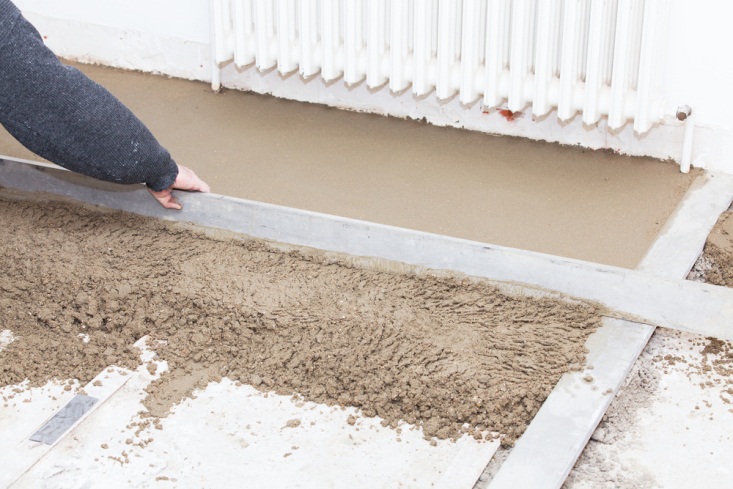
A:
<point x="448" y="353"/>
<point x="567" y="201"/>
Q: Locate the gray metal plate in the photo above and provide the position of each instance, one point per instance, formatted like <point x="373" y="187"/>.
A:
<point x="64" y="419"/>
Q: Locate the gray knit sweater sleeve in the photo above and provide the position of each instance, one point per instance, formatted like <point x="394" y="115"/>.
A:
<point x="63" y="116"/>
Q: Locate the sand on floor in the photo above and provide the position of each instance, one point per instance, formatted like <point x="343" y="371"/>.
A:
<point x="671" y="426"/>
<point x="715" y="265"/>
<point x="447" y="353"/>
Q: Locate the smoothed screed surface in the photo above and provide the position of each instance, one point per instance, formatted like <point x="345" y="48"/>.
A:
<point x="514" y="192"/>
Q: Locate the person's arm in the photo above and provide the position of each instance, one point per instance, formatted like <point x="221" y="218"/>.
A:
<point x="63" y="116"/>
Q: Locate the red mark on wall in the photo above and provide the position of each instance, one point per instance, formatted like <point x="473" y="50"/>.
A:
<point x="509" y="115"/>
<point x="505" y="113"/>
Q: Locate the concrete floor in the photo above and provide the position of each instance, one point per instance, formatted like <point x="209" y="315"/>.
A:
<point x="543" y="197"/>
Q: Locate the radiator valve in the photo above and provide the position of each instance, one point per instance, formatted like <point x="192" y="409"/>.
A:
<point x="683" y="112"/>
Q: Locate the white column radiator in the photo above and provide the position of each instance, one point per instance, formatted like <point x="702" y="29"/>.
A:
<point x="593" y="57"/>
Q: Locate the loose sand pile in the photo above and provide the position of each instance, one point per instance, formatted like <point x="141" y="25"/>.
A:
<point x="715" y="265"/>
<point x="428" y="349"/>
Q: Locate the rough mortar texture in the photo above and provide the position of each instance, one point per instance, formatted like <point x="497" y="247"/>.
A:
<point x="715" y="265"/>
<point x="450" y="354"/>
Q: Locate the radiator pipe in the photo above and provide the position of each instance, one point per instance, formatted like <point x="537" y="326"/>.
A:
<point x="215" y="73"/>
<point x="215" y="76"/>
<point x="684" y="113"/>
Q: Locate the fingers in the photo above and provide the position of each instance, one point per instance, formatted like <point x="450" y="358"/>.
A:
<point x="186" y="180"/>
<point x="166" y="199"/>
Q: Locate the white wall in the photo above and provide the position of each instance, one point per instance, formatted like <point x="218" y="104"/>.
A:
<point x="172" y="37"/>
<point x="699" y="72"/>
<point x="700" y="68"/>
<point x="184" y="19"/>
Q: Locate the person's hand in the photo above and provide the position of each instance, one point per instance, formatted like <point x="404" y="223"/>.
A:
<point x="186" y="180"/>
